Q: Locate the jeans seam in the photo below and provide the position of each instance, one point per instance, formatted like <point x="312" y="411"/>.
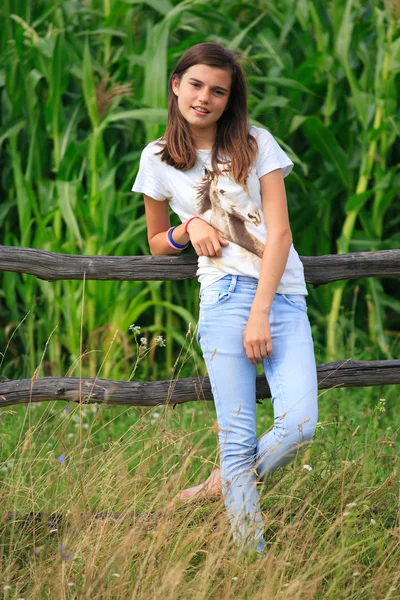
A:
<point x="280" y="390"/>
<point x="219" y="301"/>
<point x="302" y="308"/>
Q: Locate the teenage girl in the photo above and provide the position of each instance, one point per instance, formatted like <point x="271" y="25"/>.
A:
<point x="224" y="180"/>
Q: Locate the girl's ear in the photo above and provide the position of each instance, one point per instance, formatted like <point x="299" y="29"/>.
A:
<point x="175" y="84"/>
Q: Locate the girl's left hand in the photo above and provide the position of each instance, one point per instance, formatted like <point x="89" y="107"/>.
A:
<point x="257" y="337"/>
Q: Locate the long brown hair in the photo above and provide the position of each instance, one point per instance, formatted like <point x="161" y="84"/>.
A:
<point x="233" y="140"/>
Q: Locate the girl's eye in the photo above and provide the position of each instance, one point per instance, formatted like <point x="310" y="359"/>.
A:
<point x="195" y="84"/>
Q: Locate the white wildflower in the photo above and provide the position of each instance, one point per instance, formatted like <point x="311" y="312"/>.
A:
<point x="70" y="583"/>
<point x="355" y="573"/>
<point x="143" y="341"/>
<point x="134" y="328"/>
<point x="373" y="521"/>
<point x="352" y="504"/>
<point x="307" y="467"/>
<point x="345" y="514"/>
<point x="159" y="340"/>
<point x="115" y="574"/>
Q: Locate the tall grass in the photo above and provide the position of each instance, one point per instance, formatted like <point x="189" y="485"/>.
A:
<point x="331" y="517"/>
<point x="83" y="88"/>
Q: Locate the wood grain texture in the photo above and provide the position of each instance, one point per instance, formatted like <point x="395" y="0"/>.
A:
<point x="351" y="373"/>
<point x="50" y="266"/>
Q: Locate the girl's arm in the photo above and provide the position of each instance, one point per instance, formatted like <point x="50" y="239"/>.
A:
<point x="158" y="223"/>
<point x="205" y="239"/>
<point x="257" y="335"/>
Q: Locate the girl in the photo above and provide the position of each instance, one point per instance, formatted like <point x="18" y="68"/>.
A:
<point x="224" y="180"/>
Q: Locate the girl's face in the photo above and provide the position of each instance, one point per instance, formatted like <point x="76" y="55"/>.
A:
<point x="203" y="94"/>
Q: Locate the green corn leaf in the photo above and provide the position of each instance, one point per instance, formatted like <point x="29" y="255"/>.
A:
<point x="69" y="130"/>
<point x="361" y="99"/>
<point x="376" y="315"/>
<point x="235" y="43"/>
<point x="390" y="301"/>
<point x="4" y="209"/>
<point x="150" y="115"/>
<point x="179" y="310"/>
<point x="155" y="76"/>
<point x="269" y="102"/>
<point x="11" y="128"/>
<point x="162" y="6"/>
<point x="67" y="200"/>
<point x="45" y="46"/>
<point x="383" y="203"/>
<point x="284" y="82"/>
<point x="103" y="31"/>
<point x="324" y="141"/>
<point x="89" y="91"/>
<point x="357" y="201"/>
<point x="296" y="122"/>
<point x="344" y="35"/>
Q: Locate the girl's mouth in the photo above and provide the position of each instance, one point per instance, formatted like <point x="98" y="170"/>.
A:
<point x="199" y="111"/>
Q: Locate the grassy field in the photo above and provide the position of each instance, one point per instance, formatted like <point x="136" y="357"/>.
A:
<point x="331" y="517"/>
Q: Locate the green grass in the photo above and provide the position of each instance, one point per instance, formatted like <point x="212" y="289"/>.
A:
<point x="331" y="530"/>
<point x="331" y="517"/>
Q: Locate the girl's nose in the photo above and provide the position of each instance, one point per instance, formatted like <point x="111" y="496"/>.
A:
<point x="204" y="95"/>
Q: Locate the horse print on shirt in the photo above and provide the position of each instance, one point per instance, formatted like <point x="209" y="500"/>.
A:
<point x="231" y="208"/>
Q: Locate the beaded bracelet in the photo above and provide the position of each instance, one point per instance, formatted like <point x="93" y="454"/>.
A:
<point x="171" y="241"/>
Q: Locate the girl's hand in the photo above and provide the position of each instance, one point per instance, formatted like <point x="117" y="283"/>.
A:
<point x="257" y="337"/>
<point x="205" y="238"/>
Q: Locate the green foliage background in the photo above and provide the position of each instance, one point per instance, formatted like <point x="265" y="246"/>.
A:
<point x="83" y="87"/>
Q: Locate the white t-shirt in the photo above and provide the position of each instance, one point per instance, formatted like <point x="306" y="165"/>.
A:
<point x="234" y="209"/>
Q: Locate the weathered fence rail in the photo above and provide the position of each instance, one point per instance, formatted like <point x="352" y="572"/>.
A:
<point x="350" y="373"/>
<point x="51" y="267"/>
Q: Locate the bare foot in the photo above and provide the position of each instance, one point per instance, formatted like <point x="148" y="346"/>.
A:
<point x="211" y="488"/>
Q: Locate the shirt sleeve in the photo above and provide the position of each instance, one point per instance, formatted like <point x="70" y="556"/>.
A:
<point x="151" y="178"/>
<point x="270" y="155"/>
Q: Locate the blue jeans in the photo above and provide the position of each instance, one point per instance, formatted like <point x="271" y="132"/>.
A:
<point x="292" y="376"/>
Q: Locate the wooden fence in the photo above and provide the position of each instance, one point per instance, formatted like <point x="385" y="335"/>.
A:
<point x="51" y="267"/>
